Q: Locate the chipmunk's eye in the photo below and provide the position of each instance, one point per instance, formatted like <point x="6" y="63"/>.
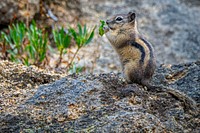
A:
<point x="119" y="18"/>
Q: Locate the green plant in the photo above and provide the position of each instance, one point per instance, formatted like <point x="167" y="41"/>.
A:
<point x="101" y="30"/>
<point x="62" y="41"/>
<point x="28" y="45"/>
<point x="15" y="40"/>
<point x="75" y="69"/>
<point x="37" y="47"/>
<point x="82" y="38"/>
<point x="13" y="44"/>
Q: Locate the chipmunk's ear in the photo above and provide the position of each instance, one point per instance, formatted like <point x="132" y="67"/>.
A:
<point x="131" y="16"/>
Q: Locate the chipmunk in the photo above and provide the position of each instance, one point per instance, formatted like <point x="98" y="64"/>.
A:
<point x="136" y="53"/>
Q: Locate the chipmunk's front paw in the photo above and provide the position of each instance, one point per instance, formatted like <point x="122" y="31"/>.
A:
<point x="106" y="29"/>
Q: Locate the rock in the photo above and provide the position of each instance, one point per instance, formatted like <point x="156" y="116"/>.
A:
<point x="105" y="103"/>
<point x="18" y="75"/>
<point x="48" y="13"/>
<point x="12" y="10"/>
<point x="183" y="77"/>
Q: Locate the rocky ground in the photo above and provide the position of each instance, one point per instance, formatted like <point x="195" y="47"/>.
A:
<point x="99" y="103"/>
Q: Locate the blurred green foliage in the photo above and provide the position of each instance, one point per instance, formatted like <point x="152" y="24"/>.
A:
<point x="14" y="40"/>
<point x="37" y="47"/>
<point x="29" y="45"/>
<point x="75" y="69"/>
<point x="82" y="37"/>
<point x="62" y="41"/>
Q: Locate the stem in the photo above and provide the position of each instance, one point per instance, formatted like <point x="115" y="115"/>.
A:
<point x="37" y="58"/>
<point x="27" y="17"/>
<point x="4" y="50"/>
<point x="60" y="58"/>
<point x="69" y="65"/>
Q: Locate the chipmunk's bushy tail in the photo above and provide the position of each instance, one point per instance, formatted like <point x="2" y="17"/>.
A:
<point x="189" y="103"/>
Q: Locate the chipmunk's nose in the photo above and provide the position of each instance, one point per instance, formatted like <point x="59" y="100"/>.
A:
<point x="108" y="21"/>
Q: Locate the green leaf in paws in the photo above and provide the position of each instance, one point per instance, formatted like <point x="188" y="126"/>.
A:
<point x="101" y="30"/>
